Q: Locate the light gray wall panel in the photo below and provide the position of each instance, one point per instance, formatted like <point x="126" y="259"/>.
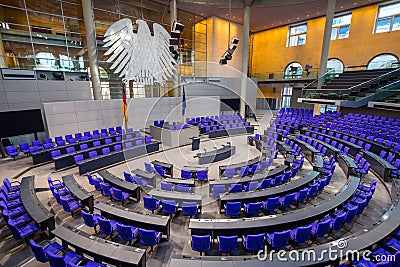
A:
<point x="20" y="85"/>
<point x="26" y="97"/>
<point x="53" y="96"/>
<point x="49" y="86"/>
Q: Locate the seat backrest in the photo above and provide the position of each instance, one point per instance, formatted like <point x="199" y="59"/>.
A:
<point x="117" y="194"/>
<point x="184" y="173"/>
<point x="105" y="225"/>
<point x="251" y="186"/>
<point x="149" y="202"/>
<point x="70" y="150"/>
<point x="38" y="251"/>
<point x="272" y="202"/>
<point x="280" y="239"/>
<point x="322" y="228"/>
<point x="83" y="146"/>
<point x="92" y="154"/>
<point x="228" y="243"/>
<point x="124" y="231"/>
<point x="183" y="188"/>
<point x="56" y="260"/>
<point x="201" y="243"/>
<point x="88" y="218"/>
<point x="105" y="150"/>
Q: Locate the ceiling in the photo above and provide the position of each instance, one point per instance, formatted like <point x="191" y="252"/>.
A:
<point x="267" y="14"/>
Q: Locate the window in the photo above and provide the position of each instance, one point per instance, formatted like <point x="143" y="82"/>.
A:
<point x="341" y="27"/>
<point x="382" y="61"/>
<point x="388" y="18"/>
<point x="335" y="65"/>
<point x="286" y="96"/>
<point x="293" y="70"/>
<point x="297" y="35"/>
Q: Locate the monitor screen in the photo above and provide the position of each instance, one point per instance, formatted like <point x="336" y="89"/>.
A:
<point x="21" y="122"/>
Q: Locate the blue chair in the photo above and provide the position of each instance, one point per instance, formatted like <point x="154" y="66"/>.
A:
<point x="185" y="174"/>
<point x="139" y="142"/>
<point x="117" y="147"/>
<point x="127" y="232"/>
<point x="22" y="231"/>
<point x="190" y="208"/>
<point x="106" y="190"/>
<point x="9" y="185"/>
<point x="148" y="167"/>
<point x="271" y="204"/>
<point x="55" y="153"/>
<point x="302" y="195"/>
<point x="183" y="188"/>
<point x="24" y="147"/>
<point x="91" y="179"/>
<point x="253" y="242"/>
<point x="57" y="184"/>
<point x="167" y="186"/>
<point x="202" y="175"/>
<point x="12" y="151"/>
<point x="278" y="180"/>
<point x="139" y="181"/>
<point x="105" y="151"/>
<point x="38" y="144"/>
<point x="150" y="203"/>
<point x="147" y="139"/>
<point x="70" y="150"/>
<point x="106" y="226"/>
<point x="149" y="237"/>
<point x="201" y="243"/>
<point x="287" y="200"/>
<point x="78" y="158"/>
<point x="278" y="239"/>
<point x="312" y="192"/>
<point x="71" y="206"/>
<point x="107" y="141"/>
<point x="233" y="208"/>
<point x="227" y="244"/>
<point x="119" y="196"/>
<point x="252" y="208"/>
<point x="251" y="186"/>
<point x="393" y="243"/>
<point x="217" y="190"/>
<point x="92" y="154"/>
<point x="169" y="206"/>
<point x="351" y="213"/>
<point x="235" y="188"/>
<point x="337" y="222"/>
<point x="128" y="177"/>
<point x="83" y="146"/>
<point x="229" y="172"/>
<point x="159" y="170"/>
<point x="243" y="171"/>
<point x="301" y="234"/>
<point x="62" y="261"/>
<point x="96" y="143"/>
<point x="266" y="183"/>
<point x="90" y="219"/>
<point x="40" y="252"/>
<point x="321" y="228"/>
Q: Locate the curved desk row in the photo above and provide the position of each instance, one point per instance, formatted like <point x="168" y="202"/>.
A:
<point x="231" y="131"/>
<point x="261" y="195"/>
<point x="216" y="155"/>
<point x="308" y="150"/>
<point x="78" y="191"/>
<point x="177" y="196"/>
<point x="331" y="150"/>
<point x="125" y="186"/>
<point x="244" y="180"/>
<point x="100" y="249"/>
<point x="142" y="220"/>
<point x="272" y="223"/>
<point x="239" y="165"/>
<point x="381" y="167"/>
<point x="354" y="148"/>
<point x="34" y="206"/>
<point x="45" y="156"/>
<point x="66" y="160"/>
<point x="102" y="161"/>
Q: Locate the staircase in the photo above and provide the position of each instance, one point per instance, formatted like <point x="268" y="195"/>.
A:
<point x="353" y="88"/>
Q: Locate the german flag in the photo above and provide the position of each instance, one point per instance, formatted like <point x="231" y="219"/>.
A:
<point x="124" y="105"/>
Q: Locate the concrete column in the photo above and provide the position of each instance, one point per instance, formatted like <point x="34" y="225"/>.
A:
<point x="90" y="30"/>
<point x="317" y="109"/>
<point x="330" y="13"/>
<point x="174" y="17"/>
<point x="245" y="56"/>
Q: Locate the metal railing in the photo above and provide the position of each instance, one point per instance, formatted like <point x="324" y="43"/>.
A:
<point x="313" y="73"/>
<point x="389" y="93"/>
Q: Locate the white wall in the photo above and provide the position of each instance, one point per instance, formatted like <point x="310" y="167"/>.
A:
<point x="30" y="94"/>
<point x="79" y="116"/>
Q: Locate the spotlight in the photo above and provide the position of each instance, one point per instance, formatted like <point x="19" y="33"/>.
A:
<point x="175" y="34"/>
<point x="175" y="54"/>
<point x="228" y="56"/>
<point x="177" y="26"/>
<point x="235" y="40"/>
<point x="174" y="41"/>
<point x="222" y="61"/>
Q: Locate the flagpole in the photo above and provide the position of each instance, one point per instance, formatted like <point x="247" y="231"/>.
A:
<point x="124" y="104"/>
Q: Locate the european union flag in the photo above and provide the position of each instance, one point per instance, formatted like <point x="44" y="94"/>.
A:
<point x="183" y="101"/>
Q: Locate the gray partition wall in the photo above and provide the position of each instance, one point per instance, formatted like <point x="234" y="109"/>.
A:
<point x="78" y="116"/>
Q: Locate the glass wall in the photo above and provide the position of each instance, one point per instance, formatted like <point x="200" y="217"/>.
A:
<point x="50" y="35"/>
<point x="192" y="43"/>
<point x="42" y="35"/>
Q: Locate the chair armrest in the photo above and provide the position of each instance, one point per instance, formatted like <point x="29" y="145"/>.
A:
<point x="15" y="182"/>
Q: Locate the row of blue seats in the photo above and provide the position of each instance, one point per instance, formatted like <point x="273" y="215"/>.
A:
<point x="106" y="190"/>
<point x="170" y="206"/>
<point x="278" y="240"/>
<point x="59" y="256"/>
<point x="124" y="232"/>
<point x="14" y="214"/>
<point x="63" y="196"/>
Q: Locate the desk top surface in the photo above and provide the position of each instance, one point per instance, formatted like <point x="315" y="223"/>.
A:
<point x="114" y="180"/>
<point x="75" y="189"/>
<point x="178" y="196"/>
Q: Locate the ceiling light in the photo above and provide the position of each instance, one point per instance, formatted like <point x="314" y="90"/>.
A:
<point x="355" y="3"/>
<point x="341" y="6"/>
<point x="298" y="18"/>
<point x="318" y="13"/>
<point x="234" y="17"/>
<point x="308" y="16"/>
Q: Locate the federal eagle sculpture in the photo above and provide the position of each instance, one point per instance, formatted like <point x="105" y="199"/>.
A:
<point x="142" y="57"/>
